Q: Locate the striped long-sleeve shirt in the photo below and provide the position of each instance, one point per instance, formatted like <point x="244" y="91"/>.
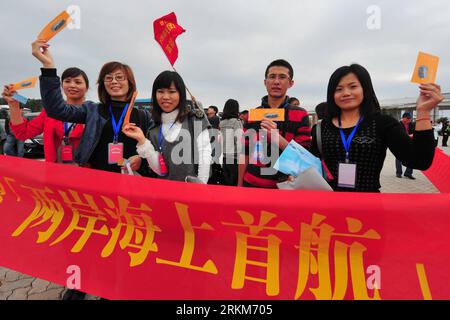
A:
<point x="295" y="127"/>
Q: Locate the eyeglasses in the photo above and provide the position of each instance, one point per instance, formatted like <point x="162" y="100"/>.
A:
<point x="118" y="77"/>
<point x="281" y="77"/>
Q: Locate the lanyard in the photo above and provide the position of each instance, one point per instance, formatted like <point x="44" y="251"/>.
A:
<point x="67" y="130"/>
<point x="160" y="136"/>
<point x="347" y="141"/>
<point x="116" y="126"/>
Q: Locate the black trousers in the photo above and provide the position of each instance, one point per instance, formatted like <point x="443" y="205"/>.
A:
<point x="444" y="140"/>
<point x="230" y="172"/>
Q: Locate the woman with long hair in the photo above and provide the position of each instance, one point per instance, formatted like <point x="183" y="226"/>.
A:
<point x="355" y="135"/>
<point x="178" y="146"/>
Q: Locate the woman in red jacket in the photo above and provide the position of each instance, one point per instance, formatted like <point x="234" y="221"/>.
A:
<point x="60" y="138"/>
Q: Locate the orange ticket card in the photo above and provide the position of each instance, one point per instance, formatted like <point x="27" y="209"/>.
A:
<point x="55" y="26"/>
<point x="261" y="114"/>
<point x="130" y="108"/>
<point x="25" y="84"/>
<point x="426" y="68"/>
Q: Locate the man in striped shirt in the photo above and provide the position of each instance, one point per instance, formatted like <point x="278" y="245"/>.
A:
<point x="264" y="141"/>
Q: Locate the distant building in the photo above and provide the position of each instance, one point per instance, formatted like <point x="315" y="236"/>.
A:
<point x="395" y="107"/>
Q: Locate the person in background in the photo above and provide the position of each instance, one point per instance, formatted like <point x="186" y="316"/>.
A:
<point x="243" y="116"/>
<point x="321" y="111"/>
<point x="2" y="138"/>
<point x="13" y="146"/>
<point x="294" y="101"/>
<point x="408" y="126"/>
<point x="445" y="132"/>
<point x="213" y="118"/>
<point x="231" y="132"/>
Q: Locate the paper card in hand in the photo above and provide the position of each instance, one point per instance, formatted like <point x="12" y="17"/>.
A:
<point x="296" y="159"/>
<point x="426" y="68"/>
<point x="23" y="100"/>
<point x="130" y="109"/>
<point x="55" y="26"/>
<point x="25" y="84"/>
<point x="261" y="114"/>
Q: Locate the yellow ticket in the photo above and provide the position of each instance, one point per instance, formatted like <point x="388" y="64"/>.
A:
<point x="25" y="84"/>
<point x="261" y="114"/>
<point x="55" y="26"/>
<point x="426" y="68"/>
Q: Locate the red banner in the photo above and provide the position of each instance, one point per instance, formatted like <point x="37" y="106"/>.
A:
<point x="166" y="31"/>
<point x="124" y="237"/>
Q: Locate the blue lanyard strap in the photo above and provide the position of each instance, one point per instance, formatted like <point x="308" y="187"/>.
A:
<point x="67" y="130"/>
<point x="348" y="141"/>
<point x="116" y="126"/>
<point x="160" y="136"/>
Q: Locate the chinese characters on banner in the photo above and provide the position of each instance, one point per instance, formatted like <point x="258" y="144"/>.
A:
<point x="140" y="238"/>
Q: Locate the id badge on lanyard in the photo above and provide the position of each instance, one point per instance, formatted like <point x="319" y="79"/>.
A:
<point x="162" y="164"/>
<point x="66" y="147"/>
<point x="115" y="152"/>
<point x="347" y="175"/>
<point x="115" y="149"/>
<point x="66" y="153"/>
<point x="347" y="170"/>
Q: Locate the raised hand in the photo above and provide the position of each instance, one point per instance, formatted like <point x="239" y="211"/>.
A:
<point x="134" y="132"/>
<point x="430" y="96"/>
<point x="40" y="50"/>
<point x="7" y="94"/>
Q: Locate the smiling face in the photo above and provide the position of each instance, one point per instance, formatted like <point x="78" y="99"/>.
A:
<point x="116" y="85"/>
<point x="75" y="88"/>
<point x="168" y="98"/>
<point x="349" y="93"/>
<point x="278" y="81"/>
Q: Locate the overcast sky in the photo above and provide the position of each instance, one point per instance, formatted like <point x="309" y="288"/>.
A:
<point x="228" y="44"/>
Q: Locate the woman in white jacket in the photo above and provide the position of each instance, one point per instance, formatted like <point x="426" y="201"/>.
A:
<point x="178" y="146"/>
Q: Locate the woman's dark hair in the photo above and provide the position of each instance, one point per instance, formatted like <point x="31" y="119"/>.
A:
<point x="108" y="68"/>
<point x="369" y="104"/>
<point x="163" y="81"/>
<point x="230" y="110"/>
<point x="73" y="73"/>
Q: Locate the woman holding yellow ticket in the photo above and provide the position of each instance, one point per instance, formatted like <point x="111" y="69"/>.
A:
<point x="60" y="138"/>
<point x="103" y="145"/>
<point x="354" y="138"/>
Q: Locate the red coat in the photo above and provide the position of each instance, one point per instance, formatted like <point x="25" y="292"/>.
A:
<point x="53" y="133"/>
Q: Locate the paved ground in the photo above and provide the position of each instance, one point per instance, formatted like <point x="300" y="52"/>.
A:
<point x="16" y="286"/>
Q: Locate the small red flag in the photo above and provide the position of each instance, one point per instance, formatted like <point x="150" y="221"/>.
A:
<point x="166" y="32"/>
